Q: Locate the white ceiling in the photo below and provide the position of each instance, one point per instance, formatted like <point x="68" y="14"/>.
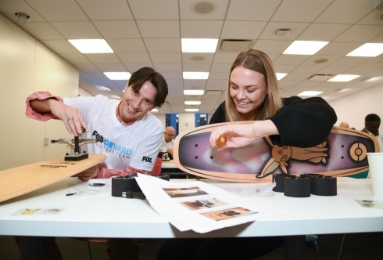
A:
<point x="149" y="32"/>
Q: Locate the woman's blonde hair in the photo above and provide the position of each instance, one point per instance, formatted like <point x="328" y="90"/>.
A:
<point x="257" y="61"/>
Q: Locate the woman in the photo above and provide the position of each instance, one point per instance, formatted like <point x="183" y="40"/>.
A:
<point x="253" y="95"/>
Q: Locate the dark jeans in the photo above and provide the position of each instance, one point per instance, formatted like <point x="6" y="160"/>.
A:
<point x="218" y="248"/>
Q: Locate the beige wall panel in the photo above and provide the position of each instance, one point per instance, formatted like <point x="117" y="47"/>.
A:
<point x="354" y="108"/>
<point x="25" y="66"/>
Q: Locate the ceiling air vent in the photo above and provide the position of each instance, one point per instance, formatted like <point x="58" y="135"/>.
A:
<point x="234" y="45"/>
<point x="320" y="77"/>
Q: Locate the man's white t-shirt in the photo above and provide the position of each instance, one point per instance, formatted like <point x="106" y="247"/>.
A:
<point x="136" y="145"/>
<point x="166" y="145"/>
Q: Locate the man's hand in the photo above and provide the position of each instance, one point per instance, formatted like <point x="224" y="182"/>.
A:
<point x="87" y="174"/>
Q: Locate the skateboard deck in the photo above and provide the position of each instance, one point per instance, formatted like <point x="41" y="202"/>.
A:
<point x="343" y="153"/>
<point x="21" y="180"/>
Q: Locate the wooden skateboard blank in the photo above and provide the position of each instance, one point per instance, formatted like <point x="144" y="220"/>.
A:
<point x="21" y="180"/>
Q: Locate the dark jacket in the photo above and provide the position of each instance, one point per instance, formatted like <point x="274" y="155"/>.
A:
<point x="300" y="122"/>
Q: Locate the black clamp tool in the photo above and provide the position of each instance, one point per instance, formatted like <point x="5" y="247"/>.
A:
<point x="76" y="154"/>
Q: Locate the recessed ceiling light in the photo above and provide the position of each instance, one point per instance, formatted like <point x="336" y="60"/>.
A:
<point x="196" y="75"/>
<point x="343" y="78"/>
<point x="191" y="92"/>
<point x="305" y="47"/>
<point x="374" y="79"/>
<point x="367" y="50"/>
<point x="281" y="75"/>
<point x="309" y="93"/>
<point x="91" y="45"/>
<point x="103" y="88"/>
<point x="154" y="110"/>
<point x="192" y="102"/>
<point x="191" y="110"/>
<point x="191" y="45"/>
<point x="118" y="75"/>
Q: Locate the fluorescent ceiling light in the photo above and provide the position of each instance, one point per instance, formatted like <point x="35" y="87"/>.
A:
<point x="309" y="93"/>
<point x="191" y="110"/>
<point x="281" y="75"/>
<point x="115" y="97"/>
<point x="103" y="88"/>
<point x="367" y="50"/>
<point x="154" y="110"/>
<point x="343" y="78"/>
<point x="193" y="92"/>
<point x="118" y="75"/>
<point x="91" y="45"/>
<point x="196" y="75"/>
<point x="192" y="102"/>
<point x="374" y="79"/>
<point x="305" y="47"/>
<point x="190" y="45"/>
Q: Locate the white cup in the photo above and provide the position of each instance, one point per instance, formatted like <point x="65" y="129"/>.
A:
<point x="375" y="161"/>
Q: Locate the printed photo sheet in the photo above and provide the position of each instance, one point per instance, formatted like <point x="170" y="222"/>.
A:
<point x="200" y="206"/>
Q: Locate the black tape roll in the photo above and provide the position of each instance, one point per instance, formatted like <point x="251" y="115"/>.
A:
<point x="298" y="187"/>
<point x="322" y="185"/>
<point x="279" y="179"/>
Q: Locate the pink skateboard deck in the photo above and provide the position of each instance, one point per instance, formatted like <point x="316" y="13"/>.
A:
<point x="343" y="153"/>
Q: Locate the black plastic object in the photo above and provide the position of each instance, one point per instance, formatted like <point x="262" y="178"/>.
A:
<point x="322" y="185"/>
<point x="127" y="186"/>
<point x="298" y="187"/>
<point x="279" y="179"/>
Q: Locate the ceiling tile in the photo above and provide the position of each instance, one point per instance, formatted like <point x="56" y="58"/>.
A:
<point x="134" y="57"/>
<point x="154" y="9"/>
<point x="61" y="46"/>
<point x="261" y="10"/>
<point x="117" y="29"/>
<point x="365" y="33"/>
<point x="313" y="32"/>
<point x="106" y="10"/>
<point x="77" y="30"/>
<point x="269" y="33"/>
<point x="126" y="45"/>
<point x="42" y="31"/>
<point x="201" y="29"/>
<point x="57" y="10"/>
<point x="242" y="30"/>
<point x="272" y="46"/>
<point x="165" y="57"/>
<point x="300" y="10"/>
<point x="159" y="29"/>
<point x="163" y="45"/>
<point x="187" y="11"/>
<point x="345" y="11"/>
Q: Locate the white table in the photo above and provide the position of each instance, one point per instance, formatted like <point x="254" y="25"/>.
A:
<point x="101" y="215"/>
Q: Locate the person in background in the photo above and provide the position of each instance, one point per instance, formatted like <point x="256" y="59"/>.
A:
<point x="371" y="126"/>
<point x="168" y="142"/>
<point x="131" y="135"/>
<point x="253" y="95"/>
<point x="344" y="125"/>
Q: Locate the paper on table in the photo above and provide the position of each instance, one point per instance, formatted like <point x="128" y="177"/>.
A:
<point x="200" y="206"/>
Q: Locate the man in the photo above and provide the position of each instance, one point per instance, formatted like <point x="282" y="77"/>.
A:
<point x="167" y="141"/>
<point x="372" y="124"/>
<point x="132" y="136"/>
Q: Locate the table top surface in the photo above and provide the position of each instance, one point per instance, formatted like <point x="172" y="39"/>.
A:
<point x="98" y="214"/>
<point x="169" y="165"/>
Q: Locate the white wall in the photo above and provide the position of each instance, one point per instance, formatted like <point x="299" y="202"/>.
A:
<point x="27" y="66"/>
<point x="186" y="122"/>
<point x="354" y="108"/>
